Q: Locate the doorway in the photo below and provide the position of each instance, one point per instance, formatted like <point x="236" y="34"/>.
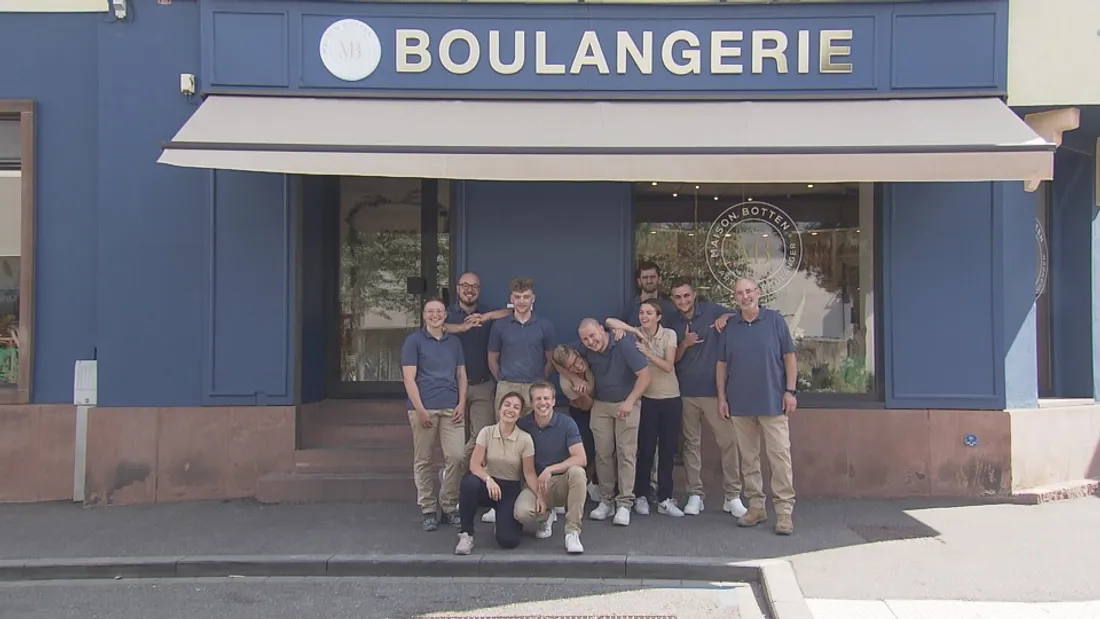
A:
<point x="390" y="251"/>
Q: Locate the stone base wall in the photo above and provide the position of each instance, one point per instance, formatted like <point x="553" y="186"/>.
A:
<point x="148" y="455"/>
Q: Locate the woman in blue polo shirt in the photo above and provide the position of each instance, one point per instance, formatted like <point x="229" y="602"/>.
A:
<point x="503" y="459"/>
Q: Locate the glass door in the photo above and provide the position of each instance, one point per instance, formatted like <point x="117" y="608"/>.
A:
<point x="393" y="255"/>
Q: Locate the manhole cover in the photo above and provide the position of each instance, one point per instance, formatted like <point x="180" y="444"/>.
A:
<point x="880" y="533"/>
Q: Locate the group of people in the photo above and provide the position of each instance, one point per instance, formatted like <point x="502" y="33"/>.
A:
<point x="477" y="381"/>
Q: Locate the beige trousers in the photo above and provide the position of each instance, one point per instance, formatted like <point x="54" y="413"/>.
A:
<point x="775" y="430"/>
<point x="695" y="411"/>
<point x="479" y="413"/>
<point x="567" y="490"/>
<point x="505" y="386"/>
<point x="616" y="450"/>
<point x="450" y="436"/>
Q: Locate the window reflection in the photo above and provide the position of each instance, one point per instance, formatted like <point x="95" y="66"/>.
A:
<point x="810" y="247"/>
<point x="10" y="237"/>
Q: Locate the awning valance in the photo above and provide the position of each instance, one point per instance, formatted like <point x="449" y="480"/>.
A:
<point x="701" y="141"/>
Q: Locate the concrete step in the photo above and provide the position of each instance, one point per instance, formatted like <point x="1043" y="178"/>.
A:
<point x="370" y="435"/>
<point x="356" y="460"/>
<point x="322" y="487"/>
<point x="356" y="412"/>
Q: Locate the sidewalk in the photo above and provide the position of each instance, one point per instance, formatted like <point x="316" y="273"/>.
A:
<point x="842" y="550"/>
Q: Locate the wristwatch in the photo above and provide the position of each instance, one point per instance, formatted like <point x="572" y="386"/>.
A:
<point x="793" y="392"/>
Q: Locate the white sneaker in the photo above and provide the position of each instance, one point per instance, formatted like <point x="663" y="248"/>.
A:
<point x="559" y="511"/>
<point x="641" y="506"/>
<point x="735" y="507"/>
<point x="669" y="508"/>
<point x="602" y="511"/>
<point x="573" y="543"/>
<point x="546" y="529"/>
<point x="594" y="492"/>
<point x="465" y="544"/>
<point x="694" y="505"/>
<point x="489" y="516"/>
<point x="622" y="517"/>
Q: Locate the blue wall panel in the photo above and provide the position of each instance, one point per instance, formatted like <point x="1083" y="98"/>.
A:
<point x="59" y="72"/>
<point x="153" y="220"/>
<point x="958" y="46"/>
<point x="252" y="270"/>
<point x="1014" y="222"/>
<point x="1071" y="246"/>
<point x="574" y="239"/>
<point x="942" y="297"/>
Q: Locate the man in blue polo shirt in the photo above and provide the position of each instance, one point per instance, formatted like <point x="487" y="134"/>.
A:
<point x="756" y="379"/>
<point x="621" y="375"/>
<point x="471" y="320"/>
<point x="559" y="462"/>
<point x="697" y="325"/>
<point x="434" y="374"/>
<point x="520" y="345"/>
<point x="648" y="276"/>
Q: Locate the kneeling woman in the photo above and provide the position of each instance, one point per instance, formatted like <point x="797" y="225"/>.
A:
<point x="503" y="459"/>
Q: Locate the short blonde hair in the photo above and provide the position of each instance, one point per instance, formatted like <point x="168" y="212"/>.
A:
<point x="562" y="354"/>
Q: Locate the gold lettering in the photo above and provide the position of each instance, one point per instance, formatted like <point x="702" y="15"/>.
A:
<point x="718" y="51"/>
<point x="589" y="54"/>
<point x="459" y="68"/>
<point x="691" y="55"/>
<point x="829" y="50"/>
<point x="777" y="53"/>
<point x="542" y="67"/>
<point x="412" y="42"/>
<point x="643" y="58"/>
<point x="494" y="54"/>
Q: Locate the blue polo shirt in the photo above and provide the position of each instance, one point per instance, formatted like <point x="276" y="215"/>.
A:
<point x="436" y="362"/>
<point x="522" y="347"/>
<point x="615" y="368"/>
<point x="753" y="351"/>
<point x="475" y="342"/>
<point x="695" y="370"/>
<point x="630" y="312"/>
<point x="552" y="443"/>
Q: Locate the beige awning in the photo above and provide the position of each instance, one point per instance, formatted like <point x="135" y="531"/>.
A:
<point x="701" y="141"/>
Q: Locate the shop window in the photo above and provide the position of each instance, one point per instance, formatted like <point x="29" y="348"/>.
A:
<point x="394" y="252"/>
<point x="16" y="237"/>
<point x="809" y="246"/>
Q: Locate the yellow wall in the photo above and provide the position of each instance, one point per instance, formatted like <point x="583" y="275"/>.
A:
<point x="1054" y="52"/>
<point x="53" y="6"/>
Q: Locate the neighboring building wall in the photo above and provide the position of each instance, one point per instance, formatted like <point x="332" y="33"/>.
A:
<point x="1051" y="44"/>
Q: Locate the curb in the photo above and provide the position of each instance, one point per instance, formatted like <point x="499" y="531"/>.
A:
<point x="776" y="577"/>
<point x="1057" y="492"/>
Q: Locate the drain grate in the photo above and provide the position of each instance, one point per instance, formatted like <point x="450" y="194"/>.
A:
<point x="881" y="533"/>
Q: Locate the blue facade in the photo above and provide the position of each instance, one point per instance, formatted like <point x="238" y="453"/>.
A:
<point x="195" y="288"/>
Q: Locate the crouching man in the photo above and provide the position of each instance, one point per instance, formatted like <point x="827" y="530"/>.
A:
<point x="559" y="464"/>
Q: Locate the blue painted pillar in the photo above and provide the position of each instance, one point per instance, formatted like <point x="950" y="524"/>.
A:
<point x="1015" y="221"/>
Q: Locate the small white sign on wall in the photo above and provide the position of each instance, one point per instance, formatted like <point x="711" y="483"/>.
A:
<point x="350" y="50"/>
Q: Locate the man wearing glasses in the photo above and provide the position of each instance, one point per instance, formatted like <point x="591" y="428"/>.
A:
<point x="470" y="320"/>
<point x="756" y="379"/>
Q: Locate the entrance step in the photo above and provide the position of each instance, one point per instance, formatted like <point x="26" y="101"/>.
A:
<point x="355" y="424"/>
<point x="330" y="436"/>
<point x="322" y="487"/>
<point x="354" y="460"/>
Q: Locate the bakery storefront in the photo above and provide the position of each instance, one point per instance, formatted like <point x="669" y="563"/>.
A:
<point x="859" y="160"/>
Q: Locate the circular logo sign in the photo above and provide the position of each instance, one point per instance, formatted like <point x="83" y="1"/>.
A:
<point x="350" y="50"/>
<point x="1044" y="259"/>
<point x="757" y="240"/>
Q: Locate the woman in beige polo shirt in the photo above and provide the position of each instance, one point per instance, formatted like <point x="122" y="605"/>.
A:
<point x="503" y="459"/>
<point x="662" y="410"/>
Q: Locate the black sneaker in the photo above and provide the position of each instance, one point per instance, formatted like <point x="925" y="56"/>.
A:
<point x="431" y="522"/>
<point x="453" y="519"/>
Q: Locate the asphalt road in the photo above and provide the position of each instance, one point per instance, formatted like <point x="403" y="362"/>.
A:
<point x="369" y="598"/>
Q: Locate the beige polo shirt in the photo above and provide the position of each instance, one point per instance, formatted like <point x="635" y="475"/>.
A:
<point x="663" y="384"/>
<point x="567" y="384"/>
<point x="504" y="454"/>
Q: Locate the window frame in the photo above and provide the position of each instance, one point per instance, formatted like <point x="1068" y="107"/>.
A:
<point x="24" y="112"/>
<point x="875" y="400"/>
